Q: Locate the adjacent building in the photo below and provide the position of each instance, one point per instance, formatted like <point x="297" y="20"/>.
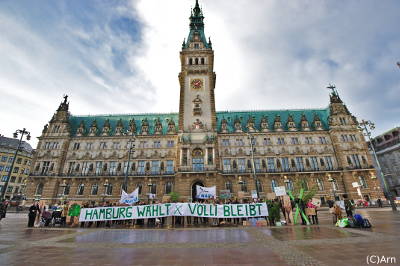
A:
<point x="20" y="171"/>
<point x="387" y="147"/>
<point x="86" y="158"/>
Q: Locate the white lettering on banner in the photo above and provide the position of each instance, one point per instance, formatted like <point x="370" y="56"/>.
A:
<point x="206" y="192"/>
<point x="174" y="209"/>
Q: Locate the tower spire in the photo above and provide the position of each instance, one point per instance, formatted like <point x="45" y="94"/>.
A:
<point x="196" y="26"/>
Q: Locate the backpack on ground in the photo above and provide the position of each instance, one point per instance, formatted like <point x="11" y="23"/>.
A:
<point x="358" y="220"/>
<point x="366" y="224"/>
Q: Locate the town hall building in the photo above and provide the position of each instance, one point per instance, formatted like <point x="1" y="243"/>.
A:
<point x="91" y="158"/>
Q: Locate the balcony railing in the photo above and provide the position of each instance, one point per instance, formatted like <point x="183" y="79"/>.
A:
<point x="147" y="173"/>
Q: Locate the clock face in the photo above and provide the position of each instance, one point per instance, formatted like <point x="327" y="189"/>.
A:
<point x="196" y="84"/>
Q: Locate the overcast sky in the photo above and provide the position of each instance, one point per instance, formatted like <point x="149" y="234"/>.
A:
<point x="115" y="57"/>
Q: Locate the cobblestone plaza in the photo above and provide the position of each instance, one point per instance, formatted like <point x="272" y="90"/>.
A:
<point x="299" y="245"/>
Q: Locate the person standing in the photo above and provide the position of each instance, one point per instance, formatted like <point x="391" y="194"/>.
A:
<point x="348" y="206"/>
<point x="33" y="212"/>
<point x="3" y="209"/>
<point x="313" y="217"/>
<point x="379" y="201"/>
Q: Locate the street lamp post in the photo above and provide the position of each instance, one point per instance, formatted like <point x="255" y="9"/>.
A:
<point x="131" y="144"/>
<point x="365" y="127"/>
<point x="251" y="138"/>
<point x="28" y="137"/>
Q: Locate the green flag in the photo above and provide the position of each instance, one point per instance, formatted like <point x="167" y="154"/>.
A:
<point x="74" y="210"/>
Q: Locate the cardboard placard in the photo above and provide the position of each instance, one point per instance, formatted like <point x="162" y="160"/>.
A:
<point x="271" y="196"/>
<point x="166" y="198"/>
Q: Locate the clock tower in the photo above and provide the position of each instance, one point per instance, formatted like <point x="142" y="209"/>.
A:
<point x="197" y="80"/>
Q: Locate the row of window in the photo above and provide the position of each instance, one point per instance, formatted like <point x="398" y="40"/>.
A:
<point x="279" y="141"/>
<point x="108" y="189"/>
<point x="273" y="164"/>
<point x="197" y="61"/>
<point x="289" y="185"/>
<point x="18" y="161"/>
<point x="10" y="189"/>
<point x="355" y="160"/>
<point x="114" y="167"/>
<point x="349" y="138"/>
<point x="15" y="170"/>
<point x="51" y="145"/>
<point x="117" y="145"/>
<point x="13" y="179"/>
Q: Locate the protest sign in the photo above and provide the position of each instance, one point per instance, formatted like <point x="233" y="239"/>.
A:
<point x="224" y="194"/>
<point x="174" y="209"/>
<point x="205" y="192"/>
<point x="280" y="191"/>
<point x="129" y="198"/>
<point x="271" y="196"/>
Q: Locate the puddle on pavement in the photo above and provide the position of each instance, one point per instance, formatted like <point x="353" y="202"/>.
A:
<point x="301" y="233"/>
<point x="163" y="236"/>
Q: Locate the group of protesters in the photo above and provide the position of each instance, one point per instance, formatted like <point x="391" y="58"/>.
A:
<point x="41" y="215"/>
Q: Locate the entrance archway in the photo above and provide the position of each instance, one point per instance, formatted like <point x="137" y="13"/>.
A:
<point x="197" y="183"/>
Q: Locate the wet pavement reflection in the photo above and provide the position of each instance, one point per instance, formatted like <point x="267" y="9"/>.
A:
<point x="157" y="236"/>
<point x="301" y="233"/>
<point x="290" y="245"/>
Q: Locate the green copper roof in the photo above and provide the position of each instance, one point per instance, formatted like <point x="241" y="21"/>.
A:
<point x="244" y="116"/>
<point x="113" y="119"/>
<point x="230" y="117"/>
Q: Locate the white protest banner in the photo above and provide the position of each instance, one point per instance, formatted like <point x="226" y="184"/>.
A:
<point x="129" y="198"/>
<point x="206" y="192"/>
<point x="174" y="209"/>
<point x="280" y="191"/>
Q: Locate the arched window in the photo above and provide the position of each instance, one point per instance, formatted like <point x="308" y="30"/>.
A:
<point x="80" y="190"/>
<point x="304" y="185"/>
<point x="234" y="164"/>
<point x="196" y="61"/>
<point x="168" y="187"/>
<point x="363" y="182"/>
<point x="198" y="160"/>
<point x="274" y="184"/>
<point x="259" y="186"/>
<point x="243" y="186"/>
<point x="293" y="163"/>
<point x="278" y="163"/>
<point x="67" y="188"/>
<point x="95" y="189"/>
<point x="228" y="186"/>
<point x="349" y="161"/>
<point x="202" y="61"/>
<point x="320" y="184"/>
<point x="289" y="184"/>
<point x="249" y="164"/>
<point x="363" y="160"/>
<point x="140" y="186"/>
<point x="153" y="188"/>
<point x="322" y="162"/>
<point x="39" y="189"/>
<point x="190" y="61"/>
<point x="105" y="167"/>
<point x="109" y="189"/>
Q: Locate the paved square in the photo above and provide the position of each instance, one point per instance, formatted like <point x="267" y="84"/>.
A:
<point x="300" y="245"/>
